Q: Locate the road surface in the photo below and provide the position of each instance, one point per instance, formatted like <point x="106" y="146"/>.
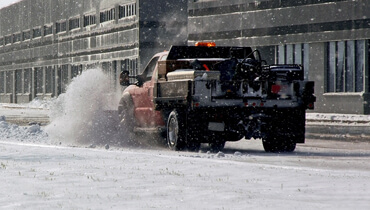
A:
<point x="319" y="175"/>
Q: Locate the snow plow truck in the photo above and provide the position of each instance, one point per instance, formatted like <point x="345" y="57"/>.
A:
<point x="210" y="94"/>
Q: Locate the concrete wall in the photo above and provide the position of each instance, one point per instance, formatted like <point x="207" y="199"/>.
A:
<point x="47" y="42"/>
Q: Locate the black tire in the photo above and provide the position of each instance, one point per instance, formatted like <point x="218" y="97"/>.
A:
<point x="217" y="146"/>
<point x="176" y="131"/>
<point x="285" y="130"/>
<point x="193" y="146"/>
<point x="278" y="144"/>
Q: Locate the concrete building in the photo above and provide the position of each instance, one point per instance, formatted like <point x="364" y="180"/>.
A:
<point x="45" y="43"/>
<point x="329" y="37"/>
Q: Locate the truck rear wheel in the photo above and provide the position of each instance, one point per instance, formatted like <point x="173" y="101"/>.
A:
<point x="217" y="146"/>
<point x="278" y="144"/>
<point x="176" y="131"/>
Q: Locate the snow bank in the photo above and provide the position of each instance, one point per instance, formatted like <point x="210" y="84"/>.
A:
<point x="29" y="134"/>
<point x="335" y="117"/>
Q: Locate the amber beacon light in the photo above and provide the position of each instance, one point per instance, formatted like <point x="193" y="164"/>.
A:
<point x="205" y="44"/>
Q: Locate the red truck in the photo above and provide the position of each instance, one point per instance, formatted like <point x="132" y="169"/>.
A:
<point x="208" y="94"/>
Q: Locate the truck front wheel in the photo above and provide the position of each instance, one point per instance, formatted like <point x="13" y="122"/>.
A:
<point x="176" y="131"/>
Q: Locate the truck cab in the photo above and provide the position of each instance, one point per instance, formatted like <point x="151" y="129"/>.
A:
<point x="138" y="97"/>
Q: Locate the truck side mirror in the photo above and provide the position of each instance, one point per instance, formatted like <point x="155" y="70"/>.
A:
<point x="124" y="78"/>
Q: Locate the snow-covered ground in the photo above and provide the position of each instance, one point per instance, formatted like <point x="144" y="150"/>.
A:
<point x="77" y="162"/>
<point x="49" y="177"/>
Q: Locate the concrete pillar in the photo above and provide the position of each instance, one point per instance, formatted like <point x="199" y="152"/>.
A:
<point x="14" y="95"/>
<point x="33" y="83"/>
<point x="317" y="66"/>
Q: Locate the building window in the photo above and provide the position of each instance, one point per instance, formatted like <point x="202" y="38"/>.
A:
<point x="122" y="12"/>
<point x="63" y="78"/>
<point x="345" y="66"/>
<point x="89" y="20"/>
<point x="1" y="41"/>
<point x="27" y="75"/>
<point x="17" y="37"/>
<point x="9" y="82"/>
<point x="48" y="30"/>
<point x="26" y="35"/>
<point x="294" y="54"/>
<point x="8" y="40"/>
<point x="61" y="27"/>
<point x="74" y="23"/>
<point x="2" y="82"/>
<point x="49" y="79"/>
<point x="36" y="32"/>
<point x="39" y="79"/>
<point x="76" y="70"/>
<point x="18" y="81"/>
<point x="127" y="10"/>
<point x="107" y="15"/>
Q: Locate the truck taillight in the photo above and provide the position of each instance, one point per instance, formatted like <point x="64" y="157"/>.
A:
<point x="275" y="89"/>
<point x="205" y="44"/>
<point x="282" y="89"/>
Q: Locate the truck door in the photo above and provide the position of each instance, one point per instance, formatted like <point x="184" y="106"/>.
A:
<point x="145" y="112"/>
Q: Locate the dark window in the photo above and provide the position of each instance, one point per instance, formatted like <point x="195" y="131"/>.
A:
<point x="49" y="79"/>
<point x="89" y="20"/>
<point x="74" y="23"/>
<point x="9" y="81"/>
<point x="36" y="32"/>
<point x="76" y="70"/>
<point x="122" y="12"/>
<point x="346" y="66"/>
<point x="8" y="40"/>
<point x="1" y="41"/>
<point x="18" y="81"/>
<point x="39" y="75"/>
<point x="107" y="15"/>
<point x="61" y="27"/>
<point x="26" y="35"/>
<point x="63" y="78"/>
<point x="127" y="10"/>
<point x="17" y="37"/>
<point x="27" y="80"/>
<point x="2" y="82"/>
<point x="48" y="30"/>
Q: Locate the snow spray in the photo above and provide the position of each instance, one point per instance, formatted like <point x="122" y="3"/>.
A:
<point x="81" y="115"/>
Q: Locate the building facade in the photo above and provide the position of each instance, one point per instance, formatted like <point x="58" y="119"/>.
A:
<point x="45" y="43"/>
<point x="330" y="38"/>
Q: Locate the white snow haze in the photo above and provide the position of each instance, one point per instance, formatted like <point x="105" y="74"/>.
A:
<point x="83" y="114"/>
